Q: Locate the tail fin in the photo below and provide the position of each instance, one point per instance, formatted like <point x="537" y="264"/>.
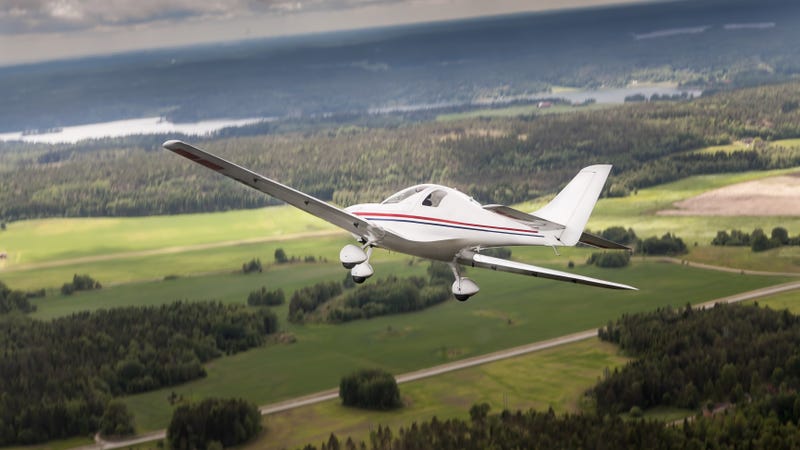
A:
<point x="573" y="205"/>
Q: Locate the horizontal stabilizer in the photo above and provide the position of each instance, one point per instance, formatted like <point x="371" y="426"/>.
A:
<point x="528" y="219"/>
<point x="599" y="242"/>
<point x="473" y="259"/>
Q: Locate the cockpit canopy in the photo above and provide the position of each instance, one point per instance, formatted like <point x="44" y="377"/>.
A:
<point x="427" y="195"/>
<point x="406" y="193"/>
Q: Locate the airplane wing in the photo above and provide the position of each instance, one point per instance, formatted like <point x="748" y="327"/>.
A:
<point x="487" y="262"/>
<point x="307" y="203"/>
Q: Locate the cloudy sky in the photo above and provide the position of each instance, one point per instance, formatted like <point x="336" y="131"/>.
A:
<point x="38" y="30"/>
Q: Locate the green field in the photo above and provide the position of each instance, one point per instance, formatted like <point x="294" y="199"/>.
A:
<point x="54" y="240"/>
<point x="523" y="110"/>
<point x="35" y="241"/>
<point x="510" y="310"/>
<point x="554" y="378"/>
<point x="639" y="211"/>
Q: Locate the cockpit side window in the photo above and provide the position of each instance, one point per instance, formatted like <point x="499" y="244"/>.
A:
<point x="434" y="198"/>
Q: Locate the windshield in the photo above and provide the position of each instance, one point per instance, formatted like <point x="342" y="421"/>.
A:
<point x="404" y="194"/>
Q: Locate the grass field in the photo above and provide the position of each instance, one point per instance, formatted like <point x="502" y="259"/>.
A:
<point x="510" y="311"/>
<point x="523" y="110"/>
<point x="788" y="300"/>
<point x="553" y="378"/>
<point x="54" y="239"/>
<point x="639" y="211"/>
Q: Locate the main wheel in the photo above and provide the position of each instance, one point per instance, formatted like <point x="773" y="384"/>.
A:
<point x="348" y="266"/>
<point x="359" y="280"/>
<point x="461" y="297"/>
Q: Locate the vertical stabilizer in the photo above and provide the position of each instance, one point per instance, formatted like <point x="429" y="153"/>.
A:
<point x="574" y="204"/>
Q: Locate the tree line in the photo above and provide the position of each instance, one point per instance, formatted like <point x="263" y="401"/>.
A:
<point x="16" y="301"/>
<point x="496" y="160"/>
<point x="743" y="357"/>
<point x="757" y="240"/>
<point x="58" y="376"/>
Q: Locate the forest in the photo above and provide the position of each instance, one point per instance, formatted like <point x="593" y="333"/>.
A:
<point x="501" y="160"/>
<point x="58" y="376"/>
<point x="742" y="361"/>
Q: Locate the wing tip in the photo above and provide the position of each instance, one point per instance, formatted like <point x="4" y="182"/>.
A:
<point x="173" y="144"/>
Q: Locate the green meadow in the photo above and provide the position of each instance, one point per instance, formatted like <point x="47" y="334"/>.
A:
<point x="510" y="311"/>
<point x="205" y="253"/>
<point x="523" y="110"/>
<point x="35" y="241"/>
<point x="553" y="378"/>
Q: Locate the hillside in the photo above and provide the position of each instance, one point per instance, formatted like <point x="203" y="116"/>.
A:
<point x="709" y="43"/>
<point x="505" y="159"/>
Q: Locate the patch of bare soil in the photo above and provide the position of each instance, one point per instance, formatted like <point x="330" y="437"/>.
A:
<point x="775" y="196"/>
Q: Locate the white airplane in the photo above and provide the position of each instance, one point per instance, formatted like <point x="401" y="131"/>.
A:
<point x="443" y="224"/>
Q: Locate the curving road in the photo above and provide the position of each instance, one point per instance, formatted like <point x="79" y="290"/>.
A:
<point x="331" y="394"/>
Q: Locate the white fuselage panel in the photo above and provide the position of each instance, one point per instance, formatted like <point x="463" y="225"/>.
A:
<point x="437" y="222"/>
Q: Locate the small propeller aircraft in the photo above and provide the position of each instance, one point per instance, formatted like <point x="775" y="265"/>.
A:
<point x="441" y="223"/>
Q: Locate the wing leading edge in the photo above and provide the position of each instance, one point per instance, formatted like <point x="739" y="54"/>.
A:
<point x="307" y="203"/>
<point x="487" y="262"/>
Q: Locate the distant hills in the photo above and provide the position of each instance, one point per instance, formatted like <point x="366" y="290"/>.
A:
<point x="708" y="43"/>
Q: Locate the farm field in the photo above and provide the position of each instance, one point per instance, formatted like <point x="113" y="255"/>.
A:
<point x="553" y="378"/>
<point x="510" y="311"/>
<point x="231" y="236"/>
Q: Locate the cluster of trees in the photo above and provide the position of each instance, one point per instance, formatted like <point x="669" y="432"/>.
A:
<point x="370" y="389"/>
<point x="668" y="244"/>
<point x="11" y="301"/>
<point x="58" y="376"/>
<point x="213" y="423"/>
<point x="757" y="240"/>
<point x="347" y="301"/>
<point x="492" y="159"/>
<point x="263" y="297"/>
<point x="117" y="420"/>
<point x="282" y="258"/>
<point x="306" y="300"/>
<point x="254" y="265"/>
<point x="390" y="295"/>
<point x="610" y="259"/>
<point x="80" y="283"/>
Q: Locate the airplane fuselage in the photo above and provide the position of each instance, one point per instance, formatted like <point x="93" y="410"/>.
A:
<point x="437" y="222"/>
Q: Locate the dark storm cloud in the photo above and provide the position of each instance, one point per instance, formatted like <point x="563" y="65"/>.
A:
<point x="44" y="16"/>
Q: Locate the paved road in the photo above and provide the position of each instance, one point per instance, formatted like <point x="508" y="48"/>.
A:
<point x="331" y="394"/>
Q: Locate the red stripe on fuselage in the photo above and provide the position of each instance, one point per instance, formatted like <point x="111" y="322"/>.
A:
<point x="452" y="222"/>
